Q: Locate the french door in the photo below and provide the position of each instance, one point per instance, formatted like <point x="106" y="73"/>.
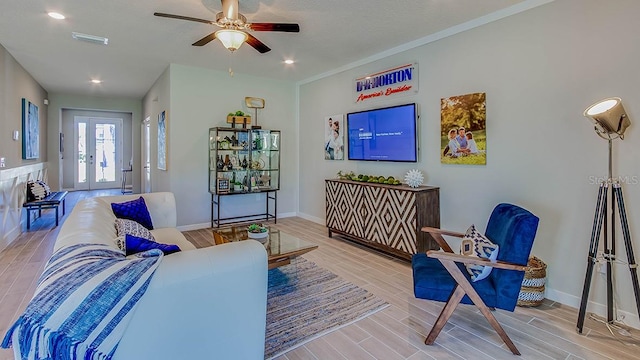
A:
<point x="97" y="153"/>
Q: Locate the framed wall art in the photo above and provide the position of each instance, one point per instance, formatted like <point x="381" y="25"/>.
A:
<point x="463" y="129"/>
<point x="334" y="137"/>
<point x="30" y="130"/>
<point x="162" y="141"/>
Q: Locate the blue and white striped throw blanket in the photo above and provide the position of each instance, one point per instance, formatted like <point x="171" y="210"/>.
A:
<point x="83" y="303"/>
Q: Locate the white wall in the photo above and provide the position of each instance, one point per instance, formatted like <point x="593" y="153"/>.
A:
<point x="17" y="84"/>
<point x="200" y="99"/>
<point x="154" y="102"/>
<point x="58" y="102"/>
<point x="540" y="69"/>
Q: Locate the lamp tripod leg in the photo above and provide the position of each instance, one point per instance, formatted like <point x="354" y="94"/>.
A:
<point x="633" y="267"/>
<point x="598" y="217"/>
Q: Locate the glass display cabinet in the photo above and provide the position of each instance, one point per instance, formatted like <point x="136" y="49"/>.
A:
<point x="243" y="161"/>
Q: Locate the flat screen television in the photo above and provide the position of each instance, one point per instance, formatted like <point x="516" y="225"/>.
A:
<point x="385" y="134"/>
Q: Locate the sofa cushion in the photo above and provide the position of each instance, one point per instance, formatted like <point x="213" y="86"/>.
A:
<point x="130" y="227"/>
<point x="136" y="244"/>
<point x="135" y="210"/>
<point x="172" y="236"/>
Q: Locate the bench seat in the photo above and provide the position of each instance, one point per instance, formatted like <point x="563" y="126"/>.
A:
<point x="52" y="201"/>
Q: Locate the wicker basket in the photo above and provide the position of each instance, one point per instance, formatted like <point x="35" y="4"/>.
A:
<point x="532" y="290"/>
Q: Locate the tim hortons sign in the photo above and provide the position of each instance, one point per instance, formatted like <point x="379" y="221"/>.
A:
<point x="386" y="84"/>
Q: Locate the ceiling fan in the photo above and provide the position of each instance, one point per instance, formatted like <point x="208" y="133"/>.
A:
<point x="234" y="28"/>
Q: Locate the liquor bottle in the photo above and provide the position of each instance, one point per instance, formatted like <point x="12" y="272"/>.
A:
<point x="227" y="162"/>
<point x="245" y="164"/>
<point x="220" y="163"/>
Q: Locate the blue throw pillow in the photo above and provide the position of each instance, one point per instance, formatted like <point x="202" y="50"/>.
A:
<point x="136" y="244"/>
<point x="135" y="210"/>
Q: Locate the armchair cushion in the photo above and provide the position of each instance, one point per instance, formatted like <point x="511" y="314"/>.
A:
<point x="432" y="281"/>
<point x="476" y="244"/>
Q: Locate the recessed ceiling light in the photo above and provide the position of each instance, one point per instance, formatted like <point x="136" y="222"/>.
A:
<point x="289" y="61"/>
<point x="96" y="81"/>
<point x="56" y="15"/>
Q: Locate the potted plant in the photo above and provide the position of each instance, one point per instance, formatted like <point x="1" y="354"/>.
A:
<point x="257" y="231"/>
<point x="237" y="186"/>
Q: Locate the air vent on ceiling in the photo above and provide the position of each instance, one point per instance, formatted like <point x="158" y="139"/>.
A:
<point x="90" y="38"/>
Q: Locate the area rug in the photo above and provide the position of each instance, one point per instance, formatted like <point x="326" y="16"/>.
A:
<point x="305" y="301"/>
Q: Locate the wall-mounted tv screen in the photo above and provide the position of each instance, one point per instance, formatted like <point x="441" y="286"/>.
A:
<point x="386" y="134"/>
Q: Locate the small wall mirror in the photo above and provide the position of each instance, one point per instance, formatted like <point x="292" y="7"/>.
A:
<point x="254" y="102"/>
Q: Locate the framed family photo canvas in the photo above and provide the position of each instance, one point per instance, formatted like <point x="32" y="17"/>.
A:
<point x="334" y="137"/>
<point x="463" y="129"/>
<point x="30" y="130"/>
<point x="162" y="141"/>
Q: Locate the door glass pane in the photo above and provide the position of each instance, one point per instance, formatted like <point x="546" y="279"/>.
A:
<point x="82" y="152"/>
<point x="105" y="152"/>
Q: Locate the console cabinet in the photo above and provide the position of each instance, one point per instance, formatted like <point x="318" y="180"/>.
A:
<point x="385" y="217"/>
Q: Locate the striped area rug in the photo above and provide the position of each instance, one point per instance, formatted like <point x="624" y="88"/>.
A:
<point x="305" y="301"/>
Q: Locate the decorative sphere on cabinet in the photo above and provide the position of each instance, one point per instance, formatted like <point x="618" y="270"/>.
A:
<point x="414" y="178"/>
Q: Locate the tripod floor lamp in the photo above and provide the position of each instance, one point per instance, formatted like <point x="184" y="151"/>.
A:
<point x="611" y="121"/>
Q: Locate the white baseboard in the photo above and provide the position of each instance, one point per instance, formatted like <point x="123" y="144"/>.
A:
<point x="193" y="226"/>
<point x="208" y="224"/>
<point x="287" y="215"/>
<point x="630" y="319"/>
<point x="316" y="220"/>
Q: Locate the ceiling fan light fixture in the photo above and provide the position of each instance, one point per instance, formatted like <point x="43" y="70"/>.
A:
<point x="231" y="39"/>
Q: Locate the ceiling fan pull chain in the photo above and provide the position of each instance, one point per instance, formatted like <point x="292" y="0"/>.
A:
<point x="230" y="69"/>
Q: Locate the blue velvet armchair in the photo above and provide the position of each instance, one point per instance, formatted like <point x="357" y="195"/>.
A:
<point x="441" y="275"/>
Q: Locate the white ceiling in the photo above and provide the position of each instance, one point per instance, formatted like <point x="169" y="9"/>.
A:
<point x="333" y="33"/>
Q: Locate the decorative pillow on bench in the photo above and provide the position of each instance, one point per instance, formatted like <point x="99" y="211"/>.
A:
<point x="135" y="210"/>
<point x="37" y="190"/>
<point x="136" y="244"/>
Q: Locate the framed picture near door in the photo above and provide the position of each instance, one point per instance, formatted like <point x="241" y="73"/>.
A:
<point x="162" y="141"/>
<point x="30" y="130"/>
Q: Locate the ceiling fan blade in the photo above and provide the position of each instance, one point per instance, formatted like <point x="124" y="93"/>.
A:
<point x="275" y="27"/>
<point x="180" y="17"/>
<point x="257" y="44"/>
<point x="205" y="40"/>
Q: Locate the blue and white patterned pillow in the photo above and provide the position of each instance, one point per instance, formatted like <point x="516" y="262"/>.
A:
<point x="125" y="226"/>
<point x="476" y="244"/>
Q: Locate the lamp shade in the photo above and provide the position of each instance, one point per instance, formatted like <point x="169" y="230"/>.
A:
<point x="231" y="39"/>
<point x="609" y="116"/>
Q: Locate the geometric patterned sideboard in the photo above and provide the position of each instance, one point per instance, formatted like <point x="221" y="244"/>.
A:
<point x="385" y="217"/>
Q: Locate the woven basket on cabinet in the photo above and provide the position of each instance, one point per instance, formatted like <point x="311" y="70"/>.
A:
<point x="532" y="290"/>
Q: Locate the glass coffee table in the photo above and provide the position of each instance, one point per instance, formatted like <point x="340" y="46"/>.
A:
<point x="281" y="247"/>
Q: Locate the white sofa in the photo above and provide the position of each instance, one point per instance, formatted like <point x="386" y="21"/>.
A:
<point x="207" y="303"/>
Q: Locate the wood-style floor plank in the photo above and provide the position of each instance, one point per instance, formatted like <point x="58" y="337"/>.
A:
<point x="397" y="332"/>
